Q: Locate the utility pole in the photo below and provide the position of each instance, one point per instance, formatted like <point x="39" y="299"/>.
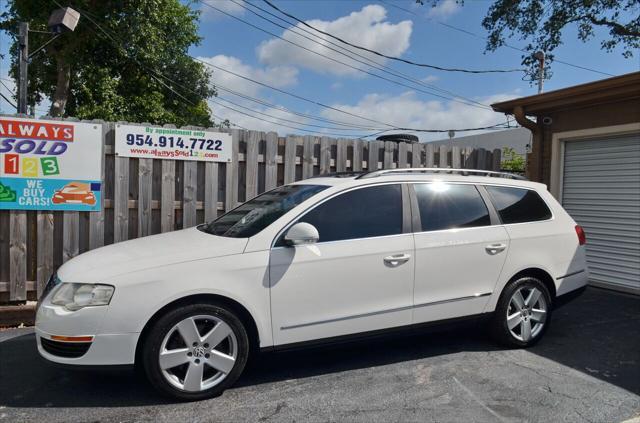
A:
<point x="23" y="63"/>
<point x="540" y="56"/>
<point x="451" y="134"/>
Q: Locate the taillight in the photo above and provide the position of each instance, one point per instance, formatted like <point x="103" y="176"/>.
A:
<point x="582" y="237"/>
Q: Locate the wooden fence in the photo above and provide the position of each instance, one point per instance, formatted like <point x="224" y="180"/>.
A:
<point x="149" y="196"/>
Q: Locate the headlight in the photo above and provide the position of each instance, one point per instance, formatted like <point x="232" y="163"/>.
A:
<point x="74" y="296"/>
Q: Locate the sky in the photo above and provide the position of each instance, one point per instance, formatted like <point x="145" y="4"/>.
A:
<point x="360" y="104"/>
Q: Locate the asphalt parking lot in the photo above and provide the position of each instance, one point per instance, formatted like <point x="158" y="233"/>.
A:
<point x="586" y="369"/>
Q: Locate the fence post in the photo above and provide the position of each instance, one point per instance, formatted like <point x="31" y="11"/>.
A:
<point x="270" y="161"/>
<point x="358" y="155"/>
<point x="402" y="154"/>
<point x="17" y="255"/>
<point x="455" y="157"/>
<point x="307" y="156"/>
<point x="430" y="151"/>
<point x="231" y="180"/>
<point x="497" y="160"/>
<point x="416" y="154"/>
<point x="443" y="160"/>
<point x="251" y="164"/>
<point x="167" y="196"/>
<point x="189" y="183"/>
<point x="96" y="219"/>
<point x="121" y="199"/>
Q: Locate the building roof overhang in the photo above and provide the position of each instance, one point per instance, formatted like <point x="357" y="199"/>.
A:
<point x="619" y="88"/>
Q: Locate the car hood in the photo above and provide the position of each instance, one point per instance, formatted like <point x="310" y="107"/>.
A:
<point x="191" y="244"/>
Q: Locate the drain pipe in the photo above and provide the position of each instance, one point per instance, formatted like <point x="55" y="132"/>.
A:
<point x="532" y="126"/>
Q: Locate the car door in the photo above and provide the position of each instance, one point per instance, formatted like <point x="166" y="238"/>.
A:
<point x="358" y="277"/>
<point x="460" y="250"/>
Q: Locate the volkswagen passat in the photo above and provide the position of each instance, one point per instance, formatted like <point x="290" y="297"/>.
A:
<point x="319" y="259"/>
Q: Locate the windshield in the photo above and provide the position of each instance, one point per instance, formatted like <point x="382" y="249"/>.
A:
<point x="253" y="216"/>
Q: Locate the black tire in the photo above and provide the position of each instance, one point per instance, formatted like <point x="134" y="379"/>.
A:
<point x="498" y="326"/>
<point x="154" y="339"/>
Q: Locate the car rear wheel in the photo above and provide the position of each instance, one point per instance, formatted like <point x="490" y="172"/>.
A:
<point x="523" y="313"/>
<point x="195" y="352"/>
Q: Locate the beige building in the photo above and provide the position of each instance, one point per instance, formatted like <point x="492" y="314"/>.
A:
<point x="586" y="148"/>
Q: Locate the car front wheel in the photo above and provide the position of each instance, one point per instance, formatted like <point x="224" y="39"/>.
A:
<point x="523" y="313"/>
<point x="195" y="352"/>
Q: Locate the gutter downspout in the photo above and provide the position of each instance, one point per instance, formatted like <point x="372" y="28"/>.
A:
<point x="532" y="126"/>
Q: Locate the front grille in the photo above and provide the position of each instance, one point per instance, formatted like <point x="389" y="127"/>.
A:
<point x="65" y="349"/>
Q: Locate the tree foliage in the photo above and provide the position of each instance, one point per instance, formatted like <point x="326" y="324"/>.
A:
<point x="126" y="60"/>
<point x="511" y="160"/>
<point x="542" y="22"/>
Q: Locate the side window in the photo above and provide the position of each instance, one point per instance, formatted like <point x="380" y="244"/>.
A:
<point x="361" y="213"/>
<point x="516" y="205"/>
<point x="448" y="206"/>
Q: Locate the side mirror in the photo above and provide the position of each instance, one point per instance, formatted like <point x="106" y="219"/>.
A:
<point x="301" y="233"/>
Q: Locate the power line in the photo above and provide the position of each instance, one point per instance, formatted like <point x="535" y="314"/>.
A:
<point x="112" y="38"/>
<point x="392" y="127"/>
<point x="282" y="108"/>
<point x="378" y="66"/>
<point x="317" y="103"/>
<point x="369" y="61"/>
<point x="473" y="34"/>
<point x="150" y="71"/>
<point x="283" y="124"/>
<point x="336" y="60"/>
<point x="288" y="120"/>
<point x="277" y="89"/>
<point x="377" y="53"/>
<point x="189" y="101"/>
<point x="8" y="101"/>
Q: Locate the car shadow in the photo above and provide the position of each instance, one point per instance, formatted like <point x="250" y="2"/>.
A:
<point x="598" y="334"/>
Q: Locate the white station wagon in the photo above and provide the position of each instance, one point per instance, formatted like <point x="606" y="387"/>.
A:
<point x="320" y="259"/>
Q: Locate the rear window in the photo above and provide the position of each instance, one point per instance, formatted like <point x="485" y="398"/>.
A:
<point x="517" y="205"/>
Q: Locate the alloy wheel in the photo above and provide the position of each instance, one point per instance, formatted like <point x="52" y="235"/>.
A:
<point x="527" y="313"/>
<point x="198" y="353"/>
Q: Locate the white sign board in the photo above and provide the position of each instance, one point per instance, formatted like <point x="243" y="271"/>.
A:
<point x="50" y="165"/>
<point x="168" y="143"/>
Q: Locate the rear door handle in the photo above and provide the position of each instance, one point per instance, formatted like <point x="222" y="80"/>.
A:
<point x="396" y="259"/>
<point x="493" y="249"/>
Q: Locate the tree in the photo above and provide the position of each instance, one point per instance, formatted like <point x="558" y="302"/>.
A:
<point x="126" y="60"/>
<point x="541" y="23"/>
<point x="511" y="160"/>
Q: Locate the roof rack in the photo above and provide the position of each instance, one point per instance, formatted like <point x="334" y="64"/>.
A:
<point x="463" y="172"/>
<point x="347" y="174"/>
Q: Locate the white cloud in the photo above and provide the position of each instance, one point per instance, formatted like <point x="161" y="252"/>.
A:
<point x="444" y="9"/>
<point x="367" y="27"/>
<point x="278" y="120"/>
<point x="277" y="76"/>
<point x="406" y="110"/>
<point x="209" y="13"/>
<point x="430" y="78"/>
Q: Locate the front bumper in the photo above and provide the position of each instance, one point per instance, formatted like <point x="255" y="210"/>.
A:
<point x="103" y="349"/>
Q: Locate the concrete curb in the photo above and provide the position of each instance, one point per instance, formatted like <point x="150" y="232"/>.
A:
<point x="11" y="316"/>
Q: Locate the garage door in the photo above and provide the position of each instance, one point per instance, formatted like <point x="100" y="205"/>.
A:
<point x="601" y="191"/>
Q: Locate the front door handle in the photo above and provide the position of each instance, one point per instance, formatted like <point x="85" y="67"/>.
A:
<point x="396" y="259"/>
<point x="493" y="249"/>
